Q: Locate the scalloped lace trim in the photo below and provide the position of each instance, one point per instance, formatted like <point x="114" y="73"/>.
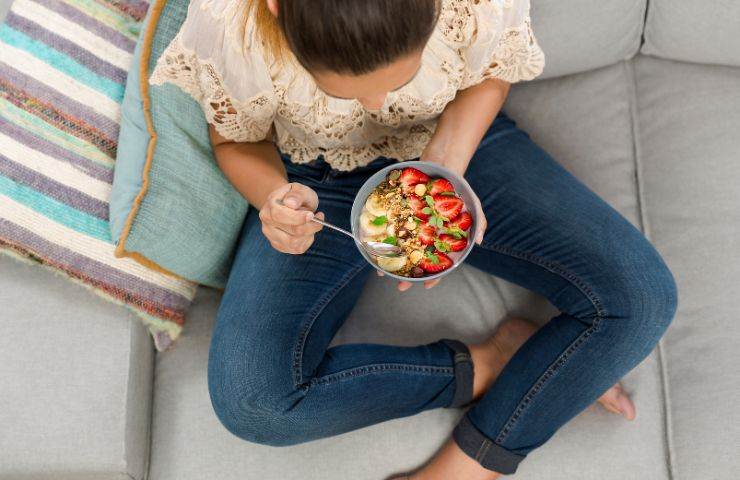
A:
<point x="518" y="56"/>
<point x="240" y="121"/>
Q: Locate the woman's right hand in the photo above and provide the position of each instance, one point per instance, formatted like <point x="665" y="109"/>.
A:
<point x="286" y="218"/>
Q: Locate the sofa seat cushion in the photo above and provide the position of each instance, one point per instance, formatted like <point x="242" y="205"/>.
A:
<point x="76" y="377"/>
<point x="580" y="35"/>
<point x="701" y="32"/>
<point x="689" y="118"/>
<point x="585" y="121"/>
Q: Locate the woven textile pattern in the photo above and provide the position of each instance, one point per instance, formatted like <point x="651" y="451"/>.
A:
<point x="63" y="67"/>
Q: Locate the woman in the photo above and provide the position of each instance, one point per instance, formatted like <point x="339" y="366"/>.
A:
<point x="305" y="101"/>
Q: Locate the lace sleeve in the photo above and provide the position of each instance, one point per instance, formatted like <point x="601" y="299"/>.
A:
<point x="239" y="100"/>
<point x="503" y="45"/>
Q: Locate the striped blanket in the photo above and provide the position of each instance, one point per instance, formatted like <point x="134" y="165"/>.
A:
<point x="63" y="67"/>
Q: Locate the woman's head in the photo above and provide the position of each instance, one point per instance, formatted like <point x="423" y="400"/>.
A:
<point x="353" y="48"/>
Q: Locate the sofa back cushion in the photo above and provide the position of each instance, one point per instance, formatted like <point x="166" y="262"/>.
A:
<point x="580" y="35"/>
<point x="692" y="31"/>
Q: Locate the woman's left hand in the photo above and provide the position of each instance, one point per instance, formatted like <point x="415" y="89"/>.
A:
<point x="430" y="155"/>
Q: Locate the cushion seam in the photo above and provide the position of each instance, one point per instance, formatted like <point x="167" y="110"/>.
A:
<point x="645" y="225"/>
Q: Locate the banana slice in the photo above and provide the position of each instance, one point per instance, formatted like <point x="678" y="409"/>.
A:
<point x="374" y="206"/>
<point x="367" y="225"/>
<point x="392" y="264"/>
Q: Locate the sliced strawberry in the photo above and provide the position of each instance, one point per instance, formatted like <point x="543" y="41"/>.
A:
<point x="463" y="222"/>
<point x="435" y="262"/>
<point x="411" y="177"/>
<point x="449" y="207"/>
<point x="440" y="185"/>
<point x="453" y="244"/>
<point x="417" y="205"/>
<point x="426" y="234"/>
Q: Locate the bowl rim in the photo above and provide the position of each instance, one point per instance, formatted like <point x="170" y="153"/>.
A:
<point x="376" y="178"/>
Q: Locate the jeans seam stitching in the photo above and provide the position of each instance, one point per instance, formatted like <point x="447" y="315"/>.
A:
<point x="313" y="315"/>
<point x="379" y="367"/>
<point x="560" y="361"/>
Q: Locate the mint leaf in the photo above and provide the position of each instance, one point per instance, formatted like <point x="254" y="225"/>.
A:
<point x="416" y="219"/>
<point x="448" y="194"/>
<point x="432" y="258"/>
<point x="381" y="220"/>
<point x="427" y="211"/>
<point x="390" y="240"/>
<point x="442" y="246"/>
<point x="440" y="223"/>
<point x="430" y="200"/>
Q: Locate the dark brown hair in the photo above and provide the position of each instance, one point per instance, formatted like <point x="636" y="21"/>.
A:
<point x="346" y="36"/>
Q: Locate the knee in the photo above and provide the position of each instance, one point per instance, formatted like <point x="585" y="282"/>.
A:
<point x="246" y="414"/>
<point x="647" y="302"/>
<point x="254" y="401"/>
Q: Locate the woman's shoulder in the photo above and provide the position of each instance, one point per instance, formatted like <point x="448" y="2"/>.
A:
<point x="213" y="24"/>
<point x="460" y="21"/>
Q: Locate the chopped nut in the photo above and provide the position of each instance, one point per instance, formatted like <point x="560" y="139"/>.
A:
<point x="420" y="189"/>
<point x="416" y="256"/>
<point x="410" y="224"/>
<point x="402" y="233"/>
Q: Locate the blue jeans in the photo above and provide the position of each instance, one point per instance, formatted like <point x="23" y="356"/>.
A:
<point x="273" y="380"/>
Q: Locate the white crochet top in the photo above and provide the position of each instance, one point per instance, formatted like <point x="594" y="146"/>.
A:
<point x="218" y="59"/>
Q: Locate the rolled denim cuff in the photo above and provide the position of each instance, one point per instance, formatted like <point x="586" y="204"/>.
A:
<point x="483" y="450"/>
<point x="463" y="373"/>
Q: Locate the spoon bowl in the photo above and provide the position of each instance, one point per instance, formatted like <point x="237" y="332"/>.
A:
<point x="378" y="249"/>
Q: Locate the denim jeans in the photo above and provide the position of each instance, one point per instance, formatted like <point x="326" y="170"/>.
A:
<point x="273" y="380"/>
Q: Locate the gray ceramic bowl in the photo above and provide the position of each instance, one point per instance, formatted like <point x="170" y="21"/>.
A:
<point x="433" y="170"/>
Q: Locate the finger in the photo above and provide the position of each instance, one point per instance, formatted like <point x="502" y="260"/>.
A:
<point x="482" y="222"/>
<point x="300" y="196"/>
<point x="431" y="283"/>
<point x="481" y="230"/>
<point x="380" y="274"/>
<point x="285" y="242"/>
<point x="403" y="286"/>
<point x="306" y="230"/>
<point x="285" y="215"/>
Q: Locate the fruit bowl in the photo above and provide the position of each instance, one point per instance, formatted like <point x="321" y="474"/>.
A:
<point x="452" y="249"/>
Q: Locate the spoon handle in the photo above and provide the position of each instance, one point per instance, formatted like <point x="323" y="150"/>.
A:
<point x="333" y="227"/>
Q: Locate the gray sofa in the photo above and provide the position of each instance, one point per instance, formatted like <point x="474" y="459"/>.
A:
<point x="641" y="101"/>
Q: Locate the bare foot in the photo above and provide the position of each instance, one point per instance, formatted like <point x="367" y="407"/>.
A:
<point x="489" y="359"/>
<point x="451" y="463"/>
<point x="617" y="401"/>
<point x="490" y="356"/>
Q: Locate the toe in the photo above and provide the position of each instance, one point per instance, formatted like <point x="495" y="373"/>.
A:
<point x="617" y="401"/>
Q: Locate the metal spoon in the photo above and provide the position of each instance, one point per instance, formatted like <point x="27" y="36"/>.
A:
<point x="379" y="249"/>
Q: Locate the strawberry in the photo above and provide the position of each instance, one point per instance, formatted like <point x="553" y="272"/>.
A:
<point x="440" y="185"/>
<point x="411" y="177"/>
<point x="417" y="205"/>
<point x="453" y="244"/>
<point x="435" y="262"/>
<point x="449" y="207"/>
<point x="463" y="222"/>
<point x="426" y="234"/>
